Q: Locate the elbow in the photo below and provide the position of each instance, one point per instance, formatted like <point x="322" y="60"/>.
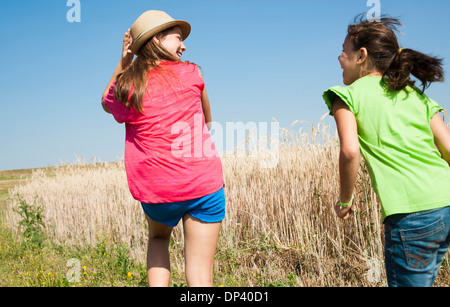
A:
<point x="350" y="152"/>
<point x="446" y="157"/>
<point x="444" y="151"/>
<point x="105" y="108"/>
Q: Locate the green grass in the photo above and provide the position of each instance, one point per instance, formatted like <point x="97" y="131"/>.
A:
<point x="29" y="259"/>
<point x="23" y="264"/>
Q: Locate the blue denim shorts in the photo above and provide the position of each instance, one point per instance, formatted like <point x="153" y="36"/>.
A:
<point x="208" y="209"/>
<point x="415" y="246"/>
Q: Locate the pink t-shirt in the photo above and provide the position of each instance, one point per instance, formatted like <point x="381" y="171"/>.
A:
<point x="169" y="153"/>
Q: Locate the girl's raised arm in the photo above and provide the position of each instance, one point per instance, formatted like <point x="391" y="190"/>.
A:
<point x="125" y="61"/>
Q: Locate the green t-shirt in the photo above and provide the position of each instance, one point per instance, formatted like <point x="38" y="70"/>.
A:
<point x="407" y="171"/>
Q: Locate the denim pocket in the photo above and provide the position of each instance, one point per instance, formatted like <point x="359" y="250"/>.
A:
<point x="421" y="244"/>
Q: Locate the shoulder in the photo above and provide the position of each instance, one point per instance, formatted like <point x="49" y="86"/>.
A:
<point x="337" y="93"/>
<point x="182" y="65"/>
<point x="366" y="83"/>
<point x="432" y="107"/>
<point x="186" y="69"/>
<point x="350" y="96"/>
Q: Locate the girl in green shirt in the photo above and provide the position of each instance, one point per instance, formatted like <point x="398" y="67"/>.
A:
<point x="406" y="145"/>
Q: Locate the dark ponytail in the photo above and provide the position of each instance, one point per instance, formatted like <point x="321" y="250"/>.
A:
<point x="425" y="68"/>
<point x="386" y="56"/>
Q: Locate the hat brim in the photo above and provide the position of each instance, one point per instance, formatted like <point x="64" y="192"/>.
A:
<point x="144" y="37"/>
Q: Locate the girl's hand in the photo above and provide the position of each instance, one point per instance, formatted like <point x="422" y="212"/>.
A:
<point x="343" y="213"/>
<point x="127" y="54"/>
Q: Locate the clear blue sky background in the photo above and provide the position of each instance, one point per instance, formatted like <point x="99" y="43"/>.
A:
<point x="261" y="60"/>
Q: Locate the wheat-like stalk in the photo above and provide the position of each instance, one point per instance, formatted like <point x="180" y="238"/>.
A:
<point x="279" y="219"/>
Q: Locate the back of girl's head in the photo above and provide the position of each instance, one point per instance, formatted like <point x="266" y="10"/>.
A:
<point x="134" y="79"/>
<point x="385" y="55"/>
<point x="152" y="52"/>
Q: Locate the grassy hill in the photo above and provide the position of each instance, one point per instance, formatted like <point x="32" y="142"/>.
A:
<point x="293" y="240"/>
<point x="8" y="179"/>
<point x="24" y="264"/>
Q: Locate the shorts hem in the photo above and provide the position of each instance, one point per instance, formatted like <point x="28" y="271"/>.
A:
<point x="159" y="221"/>
<point x="209" y="221"/>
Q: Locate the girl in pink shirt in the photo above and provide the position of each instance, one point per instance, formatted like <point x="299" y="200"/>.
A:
<point x="172" y="166"/>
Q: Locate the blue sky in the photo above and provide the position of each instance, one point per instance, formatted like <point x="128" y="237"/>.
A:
<point x="261" y="60"/>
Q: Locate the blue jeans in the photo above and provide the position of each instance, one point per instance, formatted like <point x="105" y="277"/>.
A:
<point x="415" y="246"/>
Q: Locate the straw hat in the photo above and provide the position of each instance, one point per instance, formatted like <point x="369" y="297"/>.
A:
<point x="151" y="23"/>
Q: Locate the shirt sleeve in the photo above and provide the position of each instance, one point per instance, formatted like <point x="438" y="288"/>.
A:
<point x="338" y="91"/>
<point x="118" y="110"/>
<point x="433" y="108"/>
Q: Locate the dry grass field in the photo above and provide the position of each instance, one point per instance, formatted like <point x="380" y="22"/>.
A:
<point x="280" y="229"/>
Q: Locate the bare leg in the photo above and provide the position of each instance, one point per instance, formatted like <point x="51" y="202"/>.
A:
<point x="200" y="241"/>
<point x="158" y="261"/>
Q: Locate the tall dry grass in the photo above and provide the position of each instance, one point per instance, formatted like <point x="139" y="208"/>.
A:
<point x="280" y="228"/>
<point x="287" y="210"/>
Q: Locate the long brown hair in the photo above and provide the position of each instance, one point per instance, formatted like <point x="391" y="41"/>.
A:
<point x="134" y="79"/>
<point x="385" y="55"/>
